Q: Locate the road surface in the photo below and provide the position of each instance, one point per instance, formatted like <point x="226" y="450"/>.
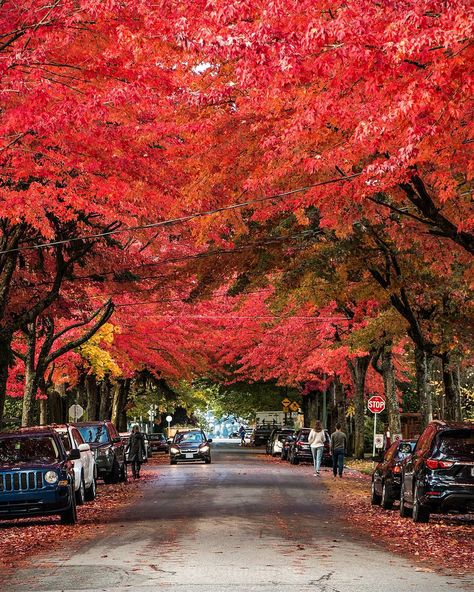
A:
<point x="240" y="524"/>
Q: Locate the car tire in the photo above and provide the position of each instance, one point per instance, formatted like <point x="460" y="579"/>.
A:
<point x="375" y="498"/>
<point x="91" y="491"/>
<point x="207" y="461"/>
<point x="173" y="462"/>
<point x="386" y="500"/>
<point x="123" y="473"/>
<point x="421" y="513"/>
<point x="404" y="511"/>
<point x="81" y="493"/>
<point x="69" y="516"/>
<point x="113" y="476"/>
<point x="296" y="460"/>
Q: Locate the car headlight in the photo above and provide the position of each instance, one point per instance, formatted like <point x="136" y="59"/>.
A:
<point x="51" y="477"/>
<point x="174" y="450"/>
<point x="204" y="448"/>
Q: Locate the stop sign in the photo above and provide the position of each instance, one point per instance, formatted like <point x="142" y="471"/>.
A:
<point x="376" y="404"/>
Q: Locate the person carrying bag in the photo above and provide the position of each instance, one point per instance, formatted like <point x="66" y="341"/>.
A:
<point x="316" y="440"/>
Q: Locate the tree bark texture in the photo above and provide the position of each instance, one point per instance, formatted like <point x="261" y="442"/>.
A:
<point x="358" y="368"/>
<point x="452" y="395"/>
<point x="424" y="370"/>
<point x="6" y="337"/>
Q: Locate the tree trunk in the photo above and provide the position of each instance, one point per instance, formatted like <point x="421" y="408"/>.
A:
<point x="424" y="369"/>
<point x="310" y="408"/>
<point x="43" y="411"/>
<point x="31" y="378"/>
<point x="91" y="390"/>
<point x="452" y="407"/>
<point x="358" y="368"/>
<point x="6" y="337"/>
<point x="341" y="405"/>
<point x="393" y="406"/>
<point x="119" y="417"/>
<point x="105" y="409"/>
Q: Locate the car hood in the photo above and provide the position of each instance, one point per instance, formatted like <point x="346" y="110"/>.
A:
<point x="33" y="466"/>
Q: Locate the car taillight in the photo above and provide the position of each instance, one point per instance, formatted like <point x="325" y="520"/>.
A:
<point x="431" y="463"/>
<point x="299" y="444"/>
<point x="397" y="469"/>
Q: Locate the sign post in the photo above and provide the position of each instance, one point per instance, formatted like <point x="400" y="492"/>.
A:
<point x="376" y="405"/>
<point x="75" y="412"/>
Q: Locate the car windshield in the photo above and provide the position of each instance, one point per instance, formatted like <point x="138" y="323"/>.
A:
<point x="28" y="449"/>
<point x="156" y="437"/>
<point x="405" y="448"/>
<point x="189" y="438"/>
<point x="457" y="444"/>
<point x="94" y="434"/>
<point x="283" y="436"/>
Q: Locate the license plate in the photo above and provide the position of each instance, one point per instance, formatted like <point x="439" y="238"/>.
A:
<point x="189" y="455"/>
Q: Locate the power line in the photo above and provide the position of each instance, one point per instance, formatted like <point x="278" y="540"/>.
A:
<point x="180" y="220"/>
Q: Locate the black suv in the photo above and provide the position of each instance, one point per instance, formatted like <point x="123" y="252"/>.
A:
<point x="261" y="434"/>
<point x="108" y="448"/>
<point x="190" y="446"/>
<point x="36" y="475"/>
<point x="439" y="476"/>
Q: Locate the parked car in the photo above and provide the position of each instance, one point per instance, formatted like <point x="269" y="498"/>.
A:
<point x="108" y="448"/>
<point x="85" y="471"/>
<point x="286" y="446"/>
<point x="190" y="446"/>
<point x="261" y="434"/>
<point x="439" y="476"/>
<point x="157" y="443"/>
<point x="386" y="478"/>
<point x="300" y="450"/>
<point x="275" y="441"/>
<point x="36" y="475"/>
<point x="248" y="435"/>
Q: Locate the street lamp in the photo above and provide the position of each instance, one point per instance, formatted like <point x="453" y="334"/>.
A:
<point x="169" y="419"/>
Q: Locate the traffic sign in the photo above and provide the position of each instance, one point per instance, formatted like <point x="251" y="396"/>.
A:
<point x="294" y="406"/>
<point x="286" y="402"/>
<point x="376" y="404"/>
<point x="76" y="412"/>
<point x="378" y="440"/>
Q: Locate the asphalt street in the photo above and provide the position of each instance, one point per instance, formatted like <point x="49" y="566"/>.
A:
<point x="240" y="524"/>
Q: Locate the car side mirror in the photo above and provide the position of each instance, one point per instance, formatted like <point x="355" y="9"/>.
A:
<point x="74" y="454"/>
<point x="84" y="447"/>
<point x="209" y="440"/>
<point x="116" y="440"/>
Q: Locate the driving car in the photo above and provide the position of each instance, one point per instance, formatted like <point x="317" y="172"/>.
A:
<point x="276" y="439"/>
<point x="36" y="475"/>
<point x="190" y="446"/>
<point x="386" y="478"/>
<point x="85" y="472"/>
<point x="439" y="476"/>
<point x="108" y="448"/>
<point x="157" y="443"/>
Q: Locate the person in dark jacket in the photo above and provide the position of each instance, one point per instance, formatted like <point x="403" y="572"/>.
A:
<point x="136" y="451"/>
<point x="338" y="450"/>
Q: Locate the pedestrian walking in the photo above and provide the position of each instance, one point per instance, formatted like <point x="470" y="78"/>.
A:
<point x="316" y="439"/>
<point x="338" y="450"/>
<point x="136" y="451"/>
<point x="242" y="435"/>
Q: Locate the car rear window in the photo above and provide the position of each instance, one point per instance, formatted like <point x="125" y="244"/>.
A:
<point x="303" y="437"/>
<point x="94" y="434"/>
<point x="457" y="444"/>
<point x="26" y="450"/>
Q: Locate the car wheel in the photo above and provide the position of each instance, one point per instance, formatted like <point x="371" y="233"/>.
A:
<point x="207" y="461"/>
<point x="420" y="512"/>
<point x="69" y="516"/>
<point x="404" y="511"/>
<point x="173" y="462"/>
<point x="123" y="473"/>
<point x="296" y="460"/>
<point x="91" y="491"/>
<point x="114" y="476"/>
<point x="375" y="498"/>
<point x="387" y="500"/>
<point x="81" y="493"/>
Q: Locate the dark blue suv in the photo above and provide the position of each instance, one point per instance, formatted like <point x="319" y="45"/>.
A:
<point x="36" y="475"/>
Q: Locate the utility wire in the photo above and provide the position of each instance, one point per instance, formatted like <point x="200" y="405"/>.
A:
<point x="180" y="220"/>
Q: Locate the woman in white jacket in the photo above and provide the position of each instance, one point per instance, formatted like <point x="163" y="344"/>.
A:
<point x="316" y="439"/>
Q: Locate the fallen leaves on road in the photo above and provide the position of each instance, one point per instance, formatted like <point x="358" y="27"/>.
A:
<point x="19" y="539"/>
<point x="445" y="542"/>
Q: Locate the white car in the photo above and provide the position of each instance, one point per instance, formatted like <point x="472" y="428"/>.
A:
<point x="85" y="471"/>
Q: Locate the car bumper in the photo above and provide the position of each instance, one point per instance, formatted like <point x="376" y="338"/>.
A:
<point x="34" y="503"/>
<point x="104" y="465"/>
<point x="190" y="457"/>
<point x="459" y="499"/>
